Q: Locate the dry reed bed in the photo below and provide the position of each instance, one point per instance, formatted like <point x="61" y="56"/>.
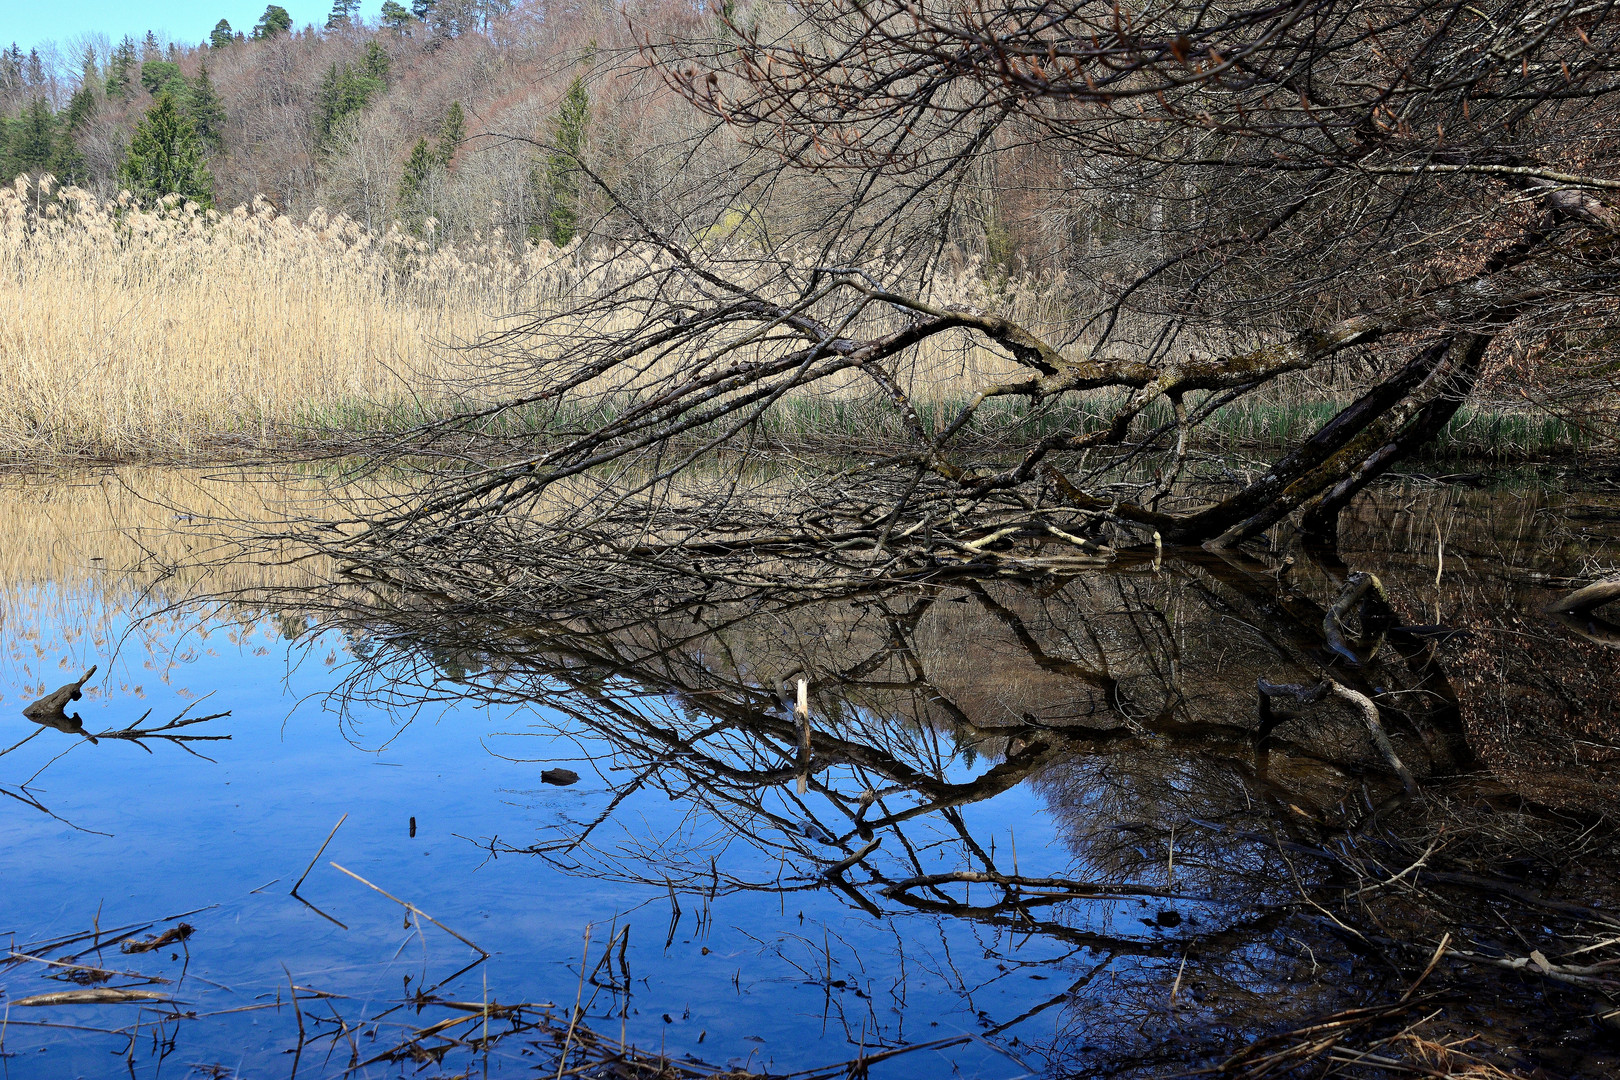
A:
<point x="128" y="332"/>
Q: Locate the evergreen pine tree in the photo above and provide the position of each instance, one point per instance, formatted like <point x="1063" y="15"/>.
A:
<point x="328" y="105"/>
<point x="413" y="184"/>
<point x="558" y="180"/>
<point x="67" y="161"/>
<point x="163" y="76"/>
<point x="452" y="133"/>
<point x="417" y="169"/>
<point x="11" y="69"/>
<point x="81" y="107"/>
<point x="375" y="62"/>
<point x="150" y="49"/>
<point x="346" y="90"/>
<point x="32" y="141"/>
<point x="275" y="20"/>
<point x="119" y="68"/>
<point x="207" y="112"/>
<point x="166" y="157"/>
<point x="394" y="16"/>
<point x="10" y="72"/>
<point x="342" y="14"/>
<point x="220" y="36"/>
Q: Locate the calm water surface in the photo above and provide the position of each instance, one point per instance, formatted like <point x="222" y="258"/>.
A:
<point x="1093" y="729"/>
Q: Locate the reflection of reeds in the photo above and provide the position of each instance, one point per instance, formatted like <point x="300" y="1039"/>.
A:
<point x="125" y="331"/>
<point x="78" y="553"/>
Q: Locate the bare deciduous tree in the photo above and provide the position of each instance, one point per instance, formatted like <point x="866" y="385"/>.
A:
<point x="1275" y="189"/>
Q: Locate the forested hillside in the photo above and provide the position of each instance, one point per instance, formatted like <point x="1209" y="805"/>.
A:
<point x="734" y="144"/>
<point x="453" y="118"/>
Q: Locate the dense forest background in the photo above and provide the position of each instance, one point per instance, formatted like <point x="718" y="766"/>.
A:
<point x="452" y="118"/>
<point x="543" y="149"/>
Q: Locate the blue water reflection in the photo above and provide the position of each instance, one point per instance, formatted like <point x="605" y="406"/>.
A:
<point x="137" y="836"/>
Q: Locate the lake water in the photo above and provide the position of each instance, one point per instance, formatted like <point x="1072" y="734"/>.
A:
<point x="1085" y="860"/>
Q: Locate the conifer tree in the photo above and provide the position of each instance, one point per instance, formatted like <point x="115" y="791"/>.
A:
<point x="207" y="112"/>
<point x="88" y="74"/>
<point x="342" y="14"/>
<point x="275" y="20"/>
<point x="166" y="156"/>
<point x="375" y="62"/>
<point x="11" y="69"/>
<point x="394" y="16"/>
<point x="119" y="68"/>
<point x="221" y="35"/>
<point x="160" y="76"/>
<point x="32" y="141"/>
<point x="81" y="107"/>
<point x="346" y="90"/>
<point x="413" y="183"/>
<point x="557" y="180"/>
<point x="452" y="133"/>
<point x="67" y="160"/>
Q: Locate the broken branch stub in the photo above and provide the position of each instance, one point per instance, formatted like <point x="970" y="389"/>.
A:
<point x="51" y="710"/>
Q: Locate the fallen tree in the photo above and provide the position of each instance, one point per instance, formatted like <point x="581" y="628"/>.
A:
<point x="1399" y="195"/>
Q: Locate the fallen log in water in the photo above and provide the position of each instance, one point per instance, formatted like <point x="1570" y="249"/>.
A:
<point x="1584" y="600"/>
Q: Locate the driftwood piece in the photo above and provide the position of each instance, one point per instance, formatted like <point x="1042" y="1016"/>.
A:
<point x="51" y="710"/>
<point x="1369" y="716"/>
<point x="1578" y="612"/>
<point x="1376" y="616"/>
<point x="168" y="937"/>
<point x="1582" y="601"/>
<point x="101" y="995"/>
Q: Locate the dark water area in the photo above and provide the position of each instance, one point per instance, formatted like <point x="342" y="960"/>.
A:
<point x="1032" y="827"/>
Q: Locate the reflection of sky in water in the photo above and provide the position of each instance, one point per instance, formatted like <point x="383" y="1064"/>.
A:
<point x="785" y="978"/>
<point x="187" y="833"/>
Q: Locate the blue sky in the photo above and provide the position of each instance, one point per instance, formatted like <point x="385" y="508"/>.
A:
<point x="32" y="22"/>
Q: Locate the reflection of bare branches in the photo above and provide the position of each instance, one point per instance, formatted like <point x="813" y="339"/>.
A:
<point x="1198" y="845"/>
<point x="49" y="712"/>
<point x="138" y="735"/>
